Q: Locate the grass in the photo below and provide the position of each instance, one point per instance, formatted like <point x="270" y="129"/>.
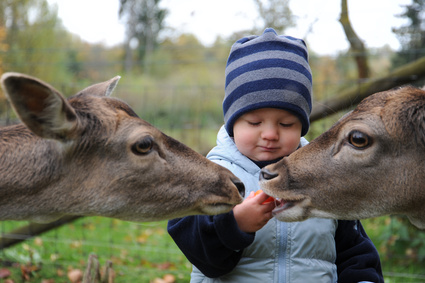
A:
<point x="141" y="252"/>
<point x="402" y="262"/>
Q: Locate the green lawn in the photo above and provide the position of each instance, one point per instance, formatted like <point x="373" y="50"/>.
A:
<point x="141" y="252"/>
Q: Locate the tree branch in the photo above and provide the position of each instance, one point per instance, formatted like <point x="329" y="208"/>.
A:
<point x="405" y="74"/>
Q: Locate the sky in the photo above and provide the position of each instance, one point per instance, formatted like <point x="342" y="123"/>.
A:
<point x="96" y="21"/>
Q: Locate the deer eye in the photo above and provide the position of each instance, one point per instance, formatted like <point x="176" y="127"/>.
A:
<point x="143" y="146"/>
<point x="359" y="140"/>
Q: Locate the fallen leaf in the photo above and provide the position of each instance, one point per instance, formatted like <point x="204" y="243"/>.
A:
<point x="75" y="275"/>
<point x="27" y="270"/>
<point x="169" y="278"/>
<point x="54" y="257"/>
<point x="4" y="273"/>
<point x="165" y="265"/>
<point x="38" y="241"/>
<point x="60" y="272"/>
<point x="76" y="244"/>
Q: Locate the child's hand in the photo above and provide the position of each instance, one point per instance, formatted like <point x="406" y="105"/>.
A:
<point x="251" y="215"/>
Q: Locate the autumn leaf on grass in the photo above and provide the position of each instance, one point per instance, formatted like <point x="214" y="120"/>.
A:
<point x="38" y="241"/>
<point x="4" y="273"/>
<point x="75" y="275"/>
<point x="165" y="265"/>
<point x="145" y="263"/>
<point x="76" y="244"/>
<point x="60" y="272"/>
<point x="142" y="239"/>
<point x="167" y="278"/>
<point x="28" y="270"/>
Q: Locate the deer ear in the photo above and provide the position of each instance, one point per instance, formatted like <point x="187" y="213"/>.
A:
<point x="416" y="115"/>
<point x="411" y="109"/>
<point x="102" y="89"/>
<point x="40" y="107"/>
<point x="403" y="114"/>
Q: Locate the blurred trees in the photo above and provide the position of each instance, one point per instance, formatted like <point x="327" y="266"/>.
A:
<point x="30" y="41"/>
<point x="34" y="41"/>
<point x="144" y="21"/>
<point x="411" y="35"/>
<point x="34" y="38"/>
<point x="275" y="14"/>
<point x="40" y="46"/>
<point x="183" y="67"/>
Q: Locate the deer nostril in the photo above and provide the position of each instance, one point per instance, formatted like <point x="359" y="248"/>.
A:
<point x="267" y="175"/>
<point x="240" y="186"/>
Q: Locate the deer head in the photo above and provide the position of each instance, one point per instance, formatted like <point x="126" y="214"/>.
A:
<point x="370" y="163"/>
<point x="92" y="155"/>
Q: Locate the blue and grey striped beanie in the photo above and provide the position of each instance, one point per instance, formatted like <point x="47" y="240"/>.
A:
<point x="268" y="71"/>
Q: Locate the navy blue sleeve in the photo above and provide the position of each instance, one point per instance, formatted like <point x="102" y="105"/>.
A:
<point x="357" y="258"/>
<point x="214" y="244"/>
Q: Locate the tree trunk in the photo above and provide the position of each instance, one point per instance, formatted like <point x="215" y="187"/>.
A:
<point x="356" y="44"/>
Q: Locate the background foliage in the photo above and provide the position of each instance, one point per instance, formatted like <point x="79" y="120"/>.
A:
<point x="177" y="85"/>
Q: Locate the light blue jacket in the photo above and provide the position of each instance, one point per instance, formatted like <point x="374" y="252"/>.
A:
<point x="281" y="252"/>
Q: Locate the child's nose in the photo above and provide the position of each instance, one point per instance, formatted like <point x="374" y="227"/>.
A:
<point x="270" y="133"/>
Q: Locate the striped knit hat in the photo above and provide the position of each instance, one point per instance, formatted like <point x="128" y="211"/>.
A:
<point x="268" y="71"/>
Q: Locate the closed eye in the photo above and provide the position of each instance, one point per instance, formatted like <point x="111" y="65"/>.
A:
<point x="286" y="125"/>
<point x="254" y="123"/>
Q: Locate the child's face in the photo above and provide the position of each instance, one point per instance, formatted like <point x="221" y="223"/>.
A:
<point x="267" y="133"/>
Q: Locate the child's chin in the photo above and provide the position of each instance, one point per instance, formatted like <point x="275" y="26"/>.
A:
<point x="270" y="157"/>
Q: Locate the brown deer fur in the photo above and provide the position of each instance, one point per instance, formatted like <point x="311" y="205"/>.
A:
<point x="92" y="155"/>
<point x="370" y="163"/>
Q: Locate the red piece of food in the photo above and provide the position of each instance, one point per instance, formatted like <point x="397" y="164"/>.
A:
<point x="270" y="199"/>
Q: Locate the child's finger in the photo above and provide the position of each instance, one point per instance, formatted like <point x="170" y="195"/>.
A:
<point x="269" y="206"/>
<point x="251" y="195"/>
